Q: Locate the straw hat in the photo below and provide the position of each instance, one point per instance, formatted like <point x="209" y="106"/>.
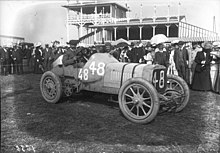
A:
<point x="175" y="42"/>
<point x="207" y="45"/>
<point x="37" y="44"/>
<point x="73" y="42"/>
<point x="180" y="43"/>
<point x="216" y="44"/>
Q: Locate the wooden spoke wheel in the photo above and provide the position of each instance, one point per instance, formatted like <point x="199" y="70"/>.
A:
<point x="178" y="91"/>
<point x="51" y="87"/>
<point x="138" y="100"/>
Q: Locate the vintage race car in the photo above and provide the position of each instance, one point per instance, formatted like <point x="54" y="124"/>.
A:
<point x="141" y="89"/>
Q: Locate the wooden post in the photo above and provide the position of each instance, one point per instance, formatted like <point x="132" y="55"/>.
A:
<point x="103" y="35"/>
<point x="128" y="30"/>
<point x="67" y="24"/>
<point x="95" y="39"/>
<point x="168" y="30"/>
<point x="115" y="30"/>
<point x="81" y="23"/>
<point x="140" y="27"/>
<point x="168" y="14"/>
<point x="154" y="27"/>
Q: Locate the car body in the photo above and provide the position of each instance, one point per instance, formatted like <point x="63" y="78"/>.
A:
<point x="141" y="88"/>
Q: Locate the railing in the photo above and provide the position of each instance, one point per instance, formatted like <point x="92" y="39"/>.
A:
<point x="89" y="16"/>
<point x="106" y="18"/>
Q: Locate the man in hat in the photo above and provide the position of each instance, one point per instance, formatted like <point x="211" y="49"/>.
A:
<point x="4" y="60"/>
<point x="181" y="59"/>
<point x="47" y="53"/>
<point x="70" y="57"/>
<point x="93" y="50"/>
<point x="130" y="52"/>
<point x="27" y="51"/>
<point x="55" y="51"/>
<point x="108" y="47"/>
<point x="11" y="62"/>
<point x="136" y="53"/>
<point x="38" y="59"/>
<point x="18" y="58"/>
<point x="123" y="55"/>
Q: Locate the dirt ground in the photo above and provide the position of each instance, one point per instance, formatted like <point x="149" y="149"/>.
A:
<point x="84" y="124"/>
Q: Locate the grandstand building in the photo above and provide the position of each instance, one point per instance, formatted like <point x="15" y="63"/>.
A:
<point x="107" y="22"/>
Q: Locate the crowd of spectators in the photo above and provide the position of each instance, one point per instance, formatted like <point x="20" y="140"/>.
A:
<point x="178" y="57"/>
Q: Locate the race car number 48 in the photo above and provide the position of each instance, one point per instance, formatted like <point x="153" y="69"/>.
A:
<point x="160" y="81"/>
<point x="99" y="70"/>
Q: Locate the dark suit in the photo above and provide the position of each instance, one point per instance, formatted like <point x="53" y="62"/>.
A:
<point x="38" y="60"/>
<point x="18" y="58"/>
<point x="162" y="58"/>
<point x="4" y="56"/>
<point x="69" y="57"/>
<point x="180" y="58"/>
<point x="28" y="52"/>
<point x="47" y="53"/>
<point x="11" y="62"/>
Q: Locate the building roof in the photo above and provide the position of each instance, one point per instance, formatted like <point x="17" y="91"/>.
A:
<point x="76" y="7"/>
<point x="194" y="39"/>
<point x="12" y="37"/>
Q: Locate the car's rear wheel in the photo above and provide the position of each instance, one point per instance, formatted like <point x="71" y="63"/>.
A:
<point x="178" y="91"/>
<point x="138" y="100"/>
<point x="51" y="87"/>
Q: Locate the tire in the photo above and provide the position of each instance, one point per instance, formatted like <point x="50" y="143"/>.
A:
<point x="138" y="100"/>
<point x="50" y="81"/>
<point x="177" y="89"/>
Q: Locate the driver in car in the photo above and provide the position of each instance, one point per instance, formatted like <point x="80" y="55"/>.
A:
<point x="70" y="57"/>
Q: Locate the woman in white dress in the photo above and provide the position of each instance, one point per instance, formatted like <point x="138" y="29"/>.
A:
<point x="172" y="67"/>
<point x="215" y="68"/>
<point x="149" y="58"/>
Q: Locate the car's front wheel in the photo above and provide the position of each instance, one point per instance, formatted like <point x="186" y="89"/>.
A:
<point x="138" y="100"/>
<point x="177" y="91"/>
<point x="51" y="87"/>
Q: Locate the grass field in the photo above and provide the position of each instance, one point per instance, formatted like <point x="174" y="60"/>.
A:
<point x="81" y="124"/>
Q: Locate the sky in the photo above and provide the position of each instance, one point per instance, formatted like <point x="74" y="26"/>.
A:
<point x="44" y="21"/>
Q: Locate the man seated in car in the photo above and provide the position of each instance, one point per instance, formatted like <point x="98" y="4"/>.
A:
<point x="70" y="57"/>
